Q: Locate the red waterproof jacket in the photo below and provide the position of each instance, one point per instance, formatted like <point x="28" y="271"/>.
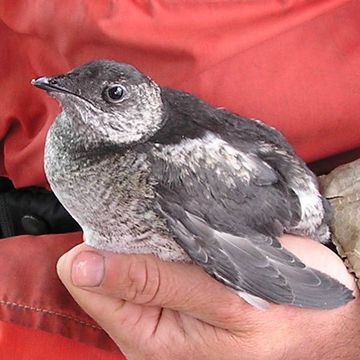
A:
<point x="295" y="64"/>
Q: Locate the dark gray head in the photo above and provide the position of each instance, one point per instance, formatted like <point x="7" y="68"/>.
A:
<point x="110" y="101"/>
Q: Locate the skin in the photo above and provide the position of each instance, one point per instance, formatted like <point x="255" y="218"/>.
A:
<point x="158" y="310"/>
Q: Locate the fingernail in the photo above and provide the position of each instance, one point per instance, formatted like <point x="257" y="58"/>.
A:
<point x="88" y="269"/>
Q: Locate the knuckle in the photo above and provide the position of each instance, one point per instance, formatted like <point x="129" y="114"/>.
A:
<point x="232" y="314"/>
<point x="144" y="280"/>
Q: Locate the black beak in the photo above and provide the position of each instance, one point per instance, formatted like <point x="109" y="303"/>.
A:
<point x="55" y="85"/>
<point x="44" y="83"/>
<point x="50" y="84"/>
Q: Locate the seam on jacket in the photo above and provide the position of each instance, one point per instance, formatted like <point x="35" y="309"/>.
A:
<point x="49" y="312"/>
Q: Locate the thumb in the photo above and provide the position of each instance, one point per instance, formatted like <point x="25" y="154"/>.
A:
<point x="108" y="285"/>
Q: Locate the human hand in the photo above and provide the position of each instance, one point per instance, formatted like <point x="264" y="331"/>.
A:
<point x="158" y="310"/>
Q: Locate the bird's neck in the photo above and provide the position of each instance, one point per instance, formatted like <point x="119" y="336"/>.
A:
<point x="78" y="142"/>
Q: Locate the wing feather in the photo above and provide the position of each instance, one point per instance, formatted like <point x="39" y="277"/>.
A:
<point x="256" y="267"/>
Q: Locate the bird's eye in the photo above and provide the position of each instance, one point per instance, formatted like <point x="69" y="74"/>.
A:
<point x="114" y="93"/>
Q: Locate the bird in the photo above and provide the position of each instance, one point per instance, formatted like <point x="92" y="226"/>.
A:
<point x="146" y="169"/>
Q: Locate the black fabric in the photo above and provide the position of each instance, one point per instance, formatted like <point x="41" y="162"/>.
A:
<point x="7" y="225"/>
<point x="35" y="203"/>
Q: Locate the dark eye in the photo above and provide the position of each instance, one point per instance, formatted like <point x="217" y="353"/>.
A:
<point x="114" y="93"/>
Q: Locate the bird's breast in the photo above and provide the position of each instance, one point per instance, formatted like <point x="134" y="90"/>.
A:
<point x="110" y="196"/>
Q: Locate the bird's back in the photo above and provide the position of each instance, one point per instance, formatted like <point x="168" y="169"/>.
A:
<point x="261" y="150"/>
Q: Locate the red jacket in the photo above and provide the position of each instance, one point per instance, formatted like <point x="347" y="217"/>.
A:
<point x="293" y="64"/>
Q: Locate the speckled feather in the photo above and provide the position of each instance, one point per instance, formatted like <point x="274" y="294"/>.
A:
<point x="161" y="172"/>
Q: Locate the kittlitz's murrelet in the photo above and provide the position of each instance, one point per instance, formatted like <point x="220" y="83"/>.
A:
<point x="147" y="169"/>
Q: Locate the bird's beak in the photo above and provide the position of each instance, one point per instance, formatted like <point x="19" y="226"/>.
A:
<point x="50" y="84"/>
<point x="57" y="84"/>
<point x="42" y="83"/>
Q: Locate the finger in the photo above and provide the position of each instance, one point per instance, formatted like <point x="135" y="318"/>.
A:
<point x="126" y="323"/>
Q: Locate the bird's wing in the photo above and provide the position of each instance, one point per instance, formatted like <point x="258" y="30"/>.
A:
<point x="226" y="209"/>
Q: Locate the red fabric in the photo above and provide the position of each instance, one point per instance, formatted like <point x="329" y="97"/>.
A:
<point x="20" y="343"/>
<point x="32" y="295"/>
<point x="292" y="63"/>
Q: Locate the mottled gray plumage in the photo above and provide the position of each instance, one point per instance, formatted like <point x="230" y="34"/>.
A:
<point x="145" y="169"/>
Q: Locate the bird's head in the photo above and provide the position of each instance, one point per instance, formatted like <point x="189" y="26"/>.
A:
<point x="108" y="101"/>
